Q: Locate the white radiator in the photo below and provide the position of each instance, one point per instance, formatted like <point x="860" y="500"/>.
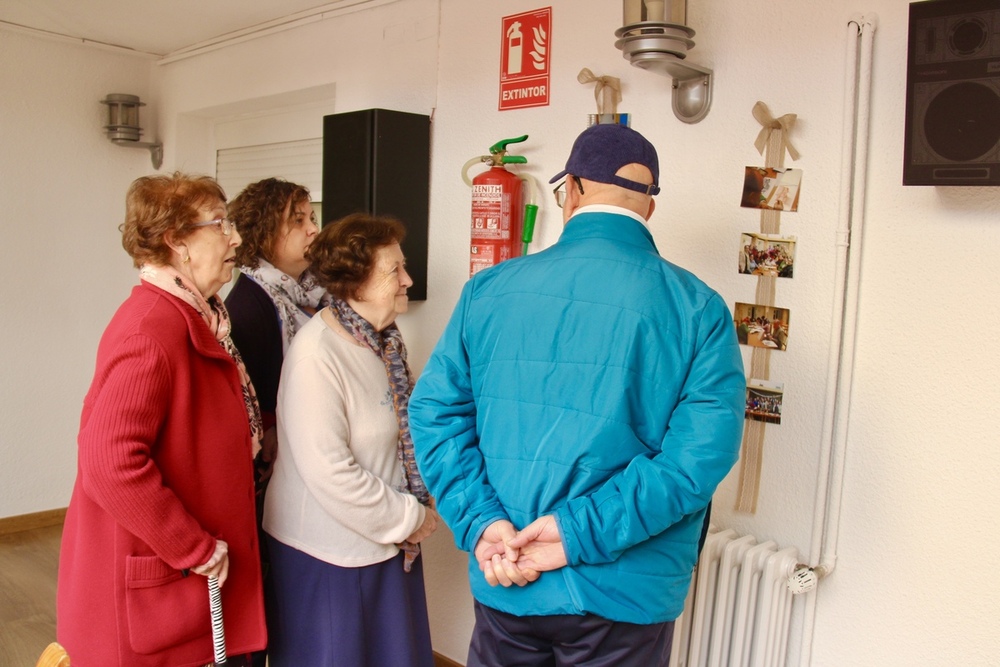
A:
<point x="737" y="611"/>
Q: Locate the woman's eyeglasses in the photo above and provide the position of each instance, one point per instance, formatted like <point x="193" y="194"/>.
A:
<point x="225" y="224"/>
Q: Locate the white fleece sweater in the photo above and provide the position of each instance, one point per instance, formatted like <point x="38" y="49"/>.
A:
<point x="333" y="493"/>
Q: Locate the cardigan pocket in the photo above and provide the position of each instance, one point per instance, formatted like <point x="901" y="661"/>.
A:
<point x="165" y="609"/>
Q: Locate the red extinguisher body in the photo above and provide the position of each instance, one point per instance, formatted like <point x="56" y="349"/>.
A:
<point x="497" y="218"/>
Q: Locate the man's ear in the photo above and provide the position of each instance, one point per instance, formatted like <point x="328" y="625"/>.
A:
<point x="652" y="207"/>
<point x="572" y="198"/>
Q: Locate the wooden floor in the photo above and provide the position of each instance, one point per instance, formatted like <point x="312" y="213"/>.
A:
<point x="29" y="560"/>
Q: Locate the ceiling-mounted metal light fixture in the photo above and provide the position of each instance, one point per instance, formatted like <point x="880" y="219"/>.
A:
<point x="654" y="37"/>
<point x="123" y="125"/>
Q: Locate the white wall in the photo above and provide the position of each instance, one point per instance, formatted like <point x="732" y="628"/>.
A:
<point x="698" y="219"/>
<point x="912" y="586"/>
<point x="921" y="461"/>
<point x="62" y="197"/>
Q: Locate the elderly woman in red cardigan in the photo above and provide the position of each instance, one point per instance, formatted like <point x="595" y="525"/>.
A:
<point x="164" y="489"/>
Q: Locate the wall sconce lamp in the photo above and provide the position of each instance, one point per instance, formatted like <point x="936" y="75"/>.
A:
<point x="654" y="37"/>
<point x="123" y="125"/>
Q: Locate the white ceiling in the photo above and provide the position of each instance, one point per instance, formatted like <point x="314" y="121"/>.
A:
<point x="158" y="27"/>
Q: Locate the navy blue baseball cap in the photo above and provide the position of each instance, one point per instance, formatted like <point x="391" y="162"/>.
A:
<point x="601" y="150"/>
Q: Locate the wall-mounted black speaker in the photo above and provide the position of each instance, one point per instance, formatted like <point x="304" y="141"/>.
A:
<point x="378" y="161"/>
<point x="953" y="93"/>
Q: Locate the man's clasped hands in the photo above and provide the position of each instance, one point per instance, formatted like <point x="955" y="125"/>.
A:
<point x="507" y="556"/>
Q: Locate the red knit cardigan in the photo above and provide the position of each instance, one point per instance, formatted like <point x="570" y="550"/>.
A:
<point x="164" y="469"/>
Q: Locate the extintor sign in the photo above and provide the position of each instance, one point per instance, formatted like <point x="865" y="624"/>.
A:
<point x="524" y="59"/>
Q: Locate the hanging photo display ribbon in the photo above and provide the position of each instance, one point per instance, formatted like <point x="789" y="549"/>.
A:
<point x="761" y="325"/>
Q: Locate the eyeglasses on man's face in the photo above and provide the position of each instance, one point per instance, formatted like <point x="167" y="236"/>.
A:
<point x="225" y="225"/>
<point x="560" y="191"/>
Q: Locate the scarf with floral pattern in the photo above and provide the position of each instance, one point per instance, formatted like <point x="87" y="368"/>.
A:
<point x="216" y="317"/>
<point x="295" y="300"/>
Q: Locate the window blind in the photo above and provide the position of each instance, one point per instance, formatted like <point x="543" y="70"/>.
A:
<point x="296" y="161"/>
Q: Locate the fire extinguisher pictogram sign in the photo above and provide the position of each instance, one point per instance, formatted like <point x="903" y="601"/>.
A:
<point x="524" y="59"/>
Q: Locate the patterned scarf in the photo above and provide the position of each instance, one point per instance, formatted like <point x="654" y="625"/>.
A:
<point x="388" y="346"/>
<point x="290" y="296"/>
<point x="215" y="315"/>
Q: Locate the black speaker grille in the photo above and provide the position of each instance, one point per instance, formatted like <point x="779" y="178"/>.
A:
<point x="952" y="124"/>
<point x="968" y="36"/>
<point x="963" y="122"/>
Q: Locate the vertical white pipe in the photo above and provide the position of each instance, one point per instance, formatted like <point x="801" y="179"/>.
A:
<point x="833" y="447"/>
<point x="840" y="285"/>
<point x="832" y="531"/>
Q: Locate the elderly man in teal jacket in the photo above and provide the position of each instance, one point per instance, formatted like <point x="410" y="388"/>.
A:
<point x="574" y="421"/>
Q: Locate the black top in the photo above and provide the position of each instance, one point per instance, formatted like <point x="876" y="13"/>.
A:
<point x="256" y="332"/>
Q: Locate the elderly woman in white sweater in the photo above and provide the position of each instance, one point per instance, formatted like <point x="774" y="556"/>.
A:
<point x="346" y="508"/>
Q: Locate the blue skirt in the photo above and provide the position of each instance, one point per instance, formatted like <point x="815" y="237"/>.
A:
<point x="323" y="615"/>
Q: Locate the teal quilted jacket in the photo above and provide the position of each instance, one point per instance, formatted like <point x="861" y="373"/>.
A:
<point x="597" y="382"/>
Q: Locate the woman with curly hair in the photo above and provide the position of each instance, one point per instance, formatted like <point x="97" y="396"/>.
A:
<point x="273" y="295"/>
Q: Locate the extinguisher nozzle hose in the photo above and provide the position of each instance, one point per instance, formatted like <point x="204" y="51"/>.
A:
<point x="530" y="211"/>
<point x="476" y="160"/>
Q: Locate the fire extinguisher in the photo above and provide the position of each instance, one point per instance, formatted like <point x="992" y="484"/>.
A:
<point x="501" y="228"/>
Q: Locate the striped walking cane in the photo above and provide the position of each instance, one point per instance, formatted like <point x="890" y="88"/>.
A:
<point x="218" y="631"/>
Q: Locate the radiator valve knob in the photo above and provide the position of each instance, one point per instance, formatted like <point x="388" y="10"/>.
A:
<point x="803" y="580"/>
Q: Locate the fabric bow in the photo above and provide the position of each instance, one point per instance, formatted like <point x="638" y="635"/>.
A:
<point x="770" y="123"/>
<point x="607" y="92"/>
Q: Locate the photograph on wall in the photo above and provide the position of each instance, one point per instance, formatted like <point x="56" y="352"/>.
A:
<point x="761" y="326"/>
<point x="764" y="401"/>
<point x="774" y="189"/>
<point x="762" y="255"/>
